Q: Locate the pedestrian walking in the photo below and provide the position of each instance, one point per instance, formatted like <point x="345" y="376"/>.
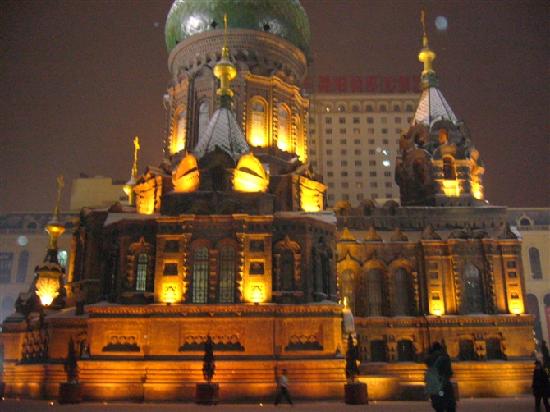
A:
<point x="541" y="386"/>
<point x="282" y="389"/>
<point x="438" y="379"/>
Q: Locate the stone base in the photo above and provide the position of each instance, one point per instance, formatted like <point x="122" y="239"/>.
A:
<point x="356" y="393"/>
<point x="70" y="393"/>
<point x="207" y="393"/>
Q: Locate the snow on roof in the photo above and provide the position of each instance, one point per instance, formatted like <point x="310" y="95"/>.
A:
<point x="223" y="132"/>
<point x="433" y="106"/>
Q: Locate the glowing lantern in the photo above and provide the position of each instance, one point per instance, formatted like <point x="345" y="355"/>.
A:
<point x="257" y="294"/>
<point x="186" y="176"/>
<point x="170" y="293"/>
<point x="47" y="287"/>
<point x="249" y="175"/>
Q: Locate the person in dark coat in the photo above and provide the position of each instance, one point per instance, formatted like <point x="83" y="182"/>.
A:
<point x="541" y="387"/>
<point x="445" y="400"/>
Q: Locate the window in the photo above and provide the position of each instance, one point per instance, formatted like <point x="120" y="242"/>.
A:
<point x="387" y="174"/>
<point x="371" y="152"/>
<point x="329" y="163"/>
<point x="359" y="196"/>
<point x="180" y="133"/>
<point x="8" y="304"/>
<point x="472" y="294"/>
<point x="342" y="131"/>
<point x="330" y="174"/>
<point x="358" y="185"/>
<point x="344" y="174"/>
<point x="355" y="108"/>
<point x="141" y="272"/>
<point x="358" y="162"/>
<point x="227" y="275"/>
<point x="22" y="267"/>
<point x="384" y="120"/>
<point x="204" y="117"/>
<point x="312" y="152"/>
<point x="328" y="120"/>
<point x="341" y="109"/>
<point x="257" y="135"/>
<point x="343" y="163"/>
<point x="355" y="120"/>
<point x="283" y="130"/>
<point x="200" y="275"/>
<point x="494" y="348"/>
<point x="402" y="296"/>
<point x="370" y="120"/>
<point x="329" y="152"/>
<point x="347" y="289"/>
<point x="378" y="352"/>
<point x="372" y="174"/>
<point x="534" y="260"/>
<point x="171" y="246"/>
<point x="374" y="292"/>
<point x="342" y="141"/>
<point x="330" y="185"/>
<point x="358" y="174"/>
<point x="466" y="350"/>
<point x="397" y="120"/>
<point x="449" y="172"/>
<point x="345" y="196"/>
<point x="6" y="261"/>
<point x="371" y="131"/>
<point x="373" y="184"/>
<point x="371" y="141"/>
<point x="397" y="131"/>
<point x="382" y="108"/>
<point x="170" y="269"/>
<point x="342" y="120"/>
<point x="331" y="197"/>
<point x="385" y="131"/>
<point x="388" y="184"/>
<point x="343" y="151"/>
<point x="410" y="108"/>
<point x="345" y="185"/>
<point x="357" y="152"/>
<point x="372" y="162"/>
<point x="62" y="258"/>
<point x="328" y="141"/>
<point x="405" y="351"/>
<point x="396" y="108"/>
<point x="357" y="141"/>
<point x="328" y="131"/>
<point x="369" y="108"/>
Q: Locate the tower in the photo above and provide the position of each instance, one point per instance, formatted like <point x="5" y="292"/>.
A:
<point x="437" y="163"/>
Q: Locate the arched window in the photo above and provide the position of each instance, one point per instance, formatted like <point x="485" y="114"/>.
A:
<point x="200" y="275"/>
<point x="227" y="275"/>
<point x="22" y="267"/>
<point x="204" y="117"/>
<point x="472" y="292"/>
<point x="257" y="130"/>
<point x="141" y="272"/>
<point x="287" y="270"/>
<point x="382" y="108"/>
<point x="374" y="292"/>
<point x="283" y="130"/>
<point x="179" y="138"/>
<point x="402" y="302"/>
<point x="396" y="108"/>
<point x="369" y="108"/>
<point x="347" y="289"/>
<point x="534" y="260"/>
<point x="449" y="172"/>
<point x="533" y="309"/>
<point x="405" y="351"/>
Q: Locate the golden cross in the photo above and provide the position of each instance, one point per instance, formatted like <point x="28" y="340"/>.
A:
<point x="225" y="30"/>
<point x="136" y="149"/>
<point x="60" y="185"/>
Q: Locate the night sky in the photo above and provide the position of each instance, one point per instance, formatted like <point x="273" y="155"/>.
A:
<point x="79" y="79"/>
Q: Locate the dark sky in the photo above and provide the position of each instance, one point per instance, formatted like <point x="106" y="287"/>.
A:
<point x="78" y="79"/>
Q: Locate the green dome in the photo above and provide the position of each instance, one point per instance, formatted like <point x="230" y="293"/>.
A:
<point x="284" y="18"/>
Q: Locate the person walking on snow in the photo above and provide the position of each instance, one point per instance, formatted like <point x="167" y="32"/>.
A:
<point x="282" y="389"/>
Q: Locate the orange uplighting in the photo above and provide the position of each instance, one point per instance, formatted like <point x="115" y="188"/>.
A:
<point x="451" y="188"/>
<point x="257" y="293"/>
<point x="311" y="195"/>
<point x="186" y="176"/>
<point x="477" y="190"/>
<point x="170" y="293"/>
<point x="47" y="288"/>
<point x="249" y="175"/>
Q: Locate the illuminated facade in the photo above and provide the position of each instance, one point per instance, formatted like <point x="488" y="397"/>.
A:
<point x="227" y="237"/>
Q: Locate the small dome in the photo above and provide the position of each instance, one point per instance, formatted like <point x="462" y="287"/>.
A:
<point x="283" y="18"/>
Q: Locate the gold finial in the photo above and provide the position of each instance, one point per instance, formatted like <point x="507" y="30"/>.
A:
<point x="426" y="55"/>
<point x="128" y="187"/>
<point x="225" y="71"/>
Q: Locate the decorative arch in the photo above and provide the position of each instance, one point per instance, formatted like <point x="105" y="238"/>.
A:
<point x="140" y="266"/>
<point x="227" y="270"/>
<point x="257" y="131"/>
<point x="348" y="282"/>
<point x="203" y="117"/>
<point x="287" y="259"/>
<point x="178" y="142"/>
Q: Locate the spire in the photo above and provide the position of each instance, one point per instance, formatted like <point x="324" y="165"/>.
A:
<point x="128" y="187"/>
<point x="54" y="227"/>
<point x="426" y="56"/>
<point x="225" y="71"/>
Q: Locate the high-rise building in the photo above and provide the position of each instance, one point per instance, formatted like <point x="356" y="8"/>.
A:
<point x="353" y="143"/>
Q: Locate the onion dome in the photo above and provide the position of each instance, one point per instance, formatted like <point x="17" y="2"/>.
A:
<point x="284" y="18"/>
